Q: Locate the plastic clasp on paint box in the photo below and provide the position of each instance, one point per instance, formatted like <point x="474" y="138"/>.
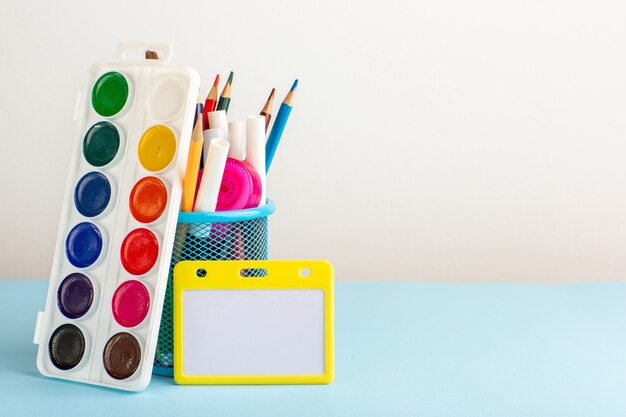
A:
<point x="37" y="335"/>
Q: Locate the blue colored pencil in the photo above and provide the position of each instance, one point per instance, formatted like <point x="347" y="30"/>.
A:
<point x="199" y="109"/>
<point x="279" y="126"/>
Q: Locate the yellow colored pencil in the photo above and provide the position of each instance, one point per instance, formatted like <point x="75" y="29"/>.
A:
<point x="193" y="164"/>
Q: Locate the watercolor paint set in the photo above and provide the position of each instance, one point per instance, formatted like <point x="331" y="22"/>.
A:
<point x="114" y="245"/>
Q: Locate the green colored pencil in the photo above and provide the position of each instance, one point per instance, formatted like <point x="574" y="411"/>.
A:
<point x="224" y="101"/>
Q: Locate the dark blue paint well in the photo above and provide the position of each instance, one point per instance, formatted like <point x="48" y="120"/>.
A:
<point x="75" y="295"/>
<point x="83" y="245"/>
<point x="92" y="194"/>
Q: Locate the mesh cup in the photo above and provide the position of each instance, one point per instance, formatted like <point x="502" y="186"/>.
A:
<point x="224" y="235"/>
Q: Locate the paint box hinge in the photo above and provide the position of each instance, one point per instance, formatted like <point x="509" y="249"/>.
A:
<point x="36" y="337"/>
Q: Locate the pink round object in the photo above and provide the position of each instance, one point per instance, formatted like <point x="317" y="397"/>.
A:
<point x="255" y="195"/>
<point x="238" y="186"/>
<point x="131" y="303"/>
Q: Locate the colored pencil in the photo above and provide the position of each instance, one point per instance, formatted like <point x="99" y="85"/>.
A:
<point x="210" y="103"/>
<point x="198" y="113"/>
<point x="189" y="193"/>
<point x="279" y="126"/>
<point x="267" y="109"/>
<point x="225" y="96"/>
<point x="193" y="163"/>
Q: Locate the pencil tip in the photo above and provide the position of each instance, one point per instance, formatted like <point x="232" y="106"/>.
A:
<point x="272" y="93"/>
<point x="217" y="80"/>
<point x="295" y="84"/>
<point x="230" y="78"/>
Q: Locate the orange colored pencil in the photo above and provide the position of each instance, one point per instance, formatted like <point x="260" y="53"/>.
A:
<point x="267" y="109"/>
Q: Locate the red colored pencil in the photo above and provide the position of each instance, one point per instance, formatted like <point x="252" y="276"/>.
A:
<point x="210" y="103"/>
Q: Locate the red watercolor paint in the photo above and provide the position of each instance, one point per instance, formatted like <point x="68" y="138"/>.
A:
<point x="140" y="250"/>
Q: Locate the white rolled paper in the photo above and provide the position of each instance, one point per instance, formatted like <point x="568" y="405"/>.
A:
<point x="212" y="175"/>
<point x="218" y="120"/>
<point x="237" y="139"/>
<point x="255" y="149"/>
<point x="208" y="135"/>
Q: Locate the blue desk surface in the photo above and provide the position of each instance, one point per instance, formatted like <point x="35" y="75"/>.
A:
<point x="401" y="349"/>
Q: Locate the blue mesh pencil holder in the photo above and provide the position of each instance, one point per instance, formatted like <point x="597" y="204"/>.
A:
<point x="224" y="235"/>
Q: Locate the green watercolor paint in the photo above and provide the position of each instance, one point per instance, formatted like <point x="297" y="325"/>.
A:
<point x="109" y="94"/>
<point x="101" y="144"/>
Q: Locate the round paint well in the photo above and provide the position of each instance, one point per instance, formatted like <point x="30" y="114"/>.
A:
<point x="75" y="295"/>
<point x="157" y="148"/>
<point x="101" y="144"/>
<point x="166" y="97"/>
<point x="148" y="199"/>
<point x="131" y="303"/>
<point x="92" y="194"/>
<point x="109" y="94"/>
<point x="122" y="355"/>
<point x="66" y="346"/>
<point x="83" y="244"/>
<point x="140" y="250"/>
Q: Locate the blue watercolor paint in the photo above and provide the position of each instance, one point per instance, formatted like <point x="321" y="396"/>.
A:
<point x="92" y="194"/>
<point x="83" y="245"/>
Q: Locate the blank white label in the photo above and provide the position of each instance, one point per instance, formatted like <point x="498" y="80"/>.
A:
<point x="253" y="332"/>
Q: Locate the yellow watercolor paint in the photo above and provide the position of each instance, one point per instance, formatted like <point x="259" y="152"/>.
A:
<point x="157" y="148"/>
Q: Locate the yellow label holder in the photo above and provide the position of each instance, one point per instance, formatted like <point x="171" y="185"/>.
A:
<point x="232" y="328"/>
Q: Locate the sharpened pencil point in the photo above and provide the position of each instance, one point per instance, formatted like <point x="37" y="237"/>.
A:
<point x="224" y="100"/>
<point x="289" y="98"/>
<point x="267" y="109"/>
<point x="217" y="81"/>
<point x="269" y="102"/>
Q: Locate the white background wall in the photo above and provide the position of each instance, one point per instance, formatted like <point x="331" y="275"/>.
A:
<point x="431" y="140"/>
